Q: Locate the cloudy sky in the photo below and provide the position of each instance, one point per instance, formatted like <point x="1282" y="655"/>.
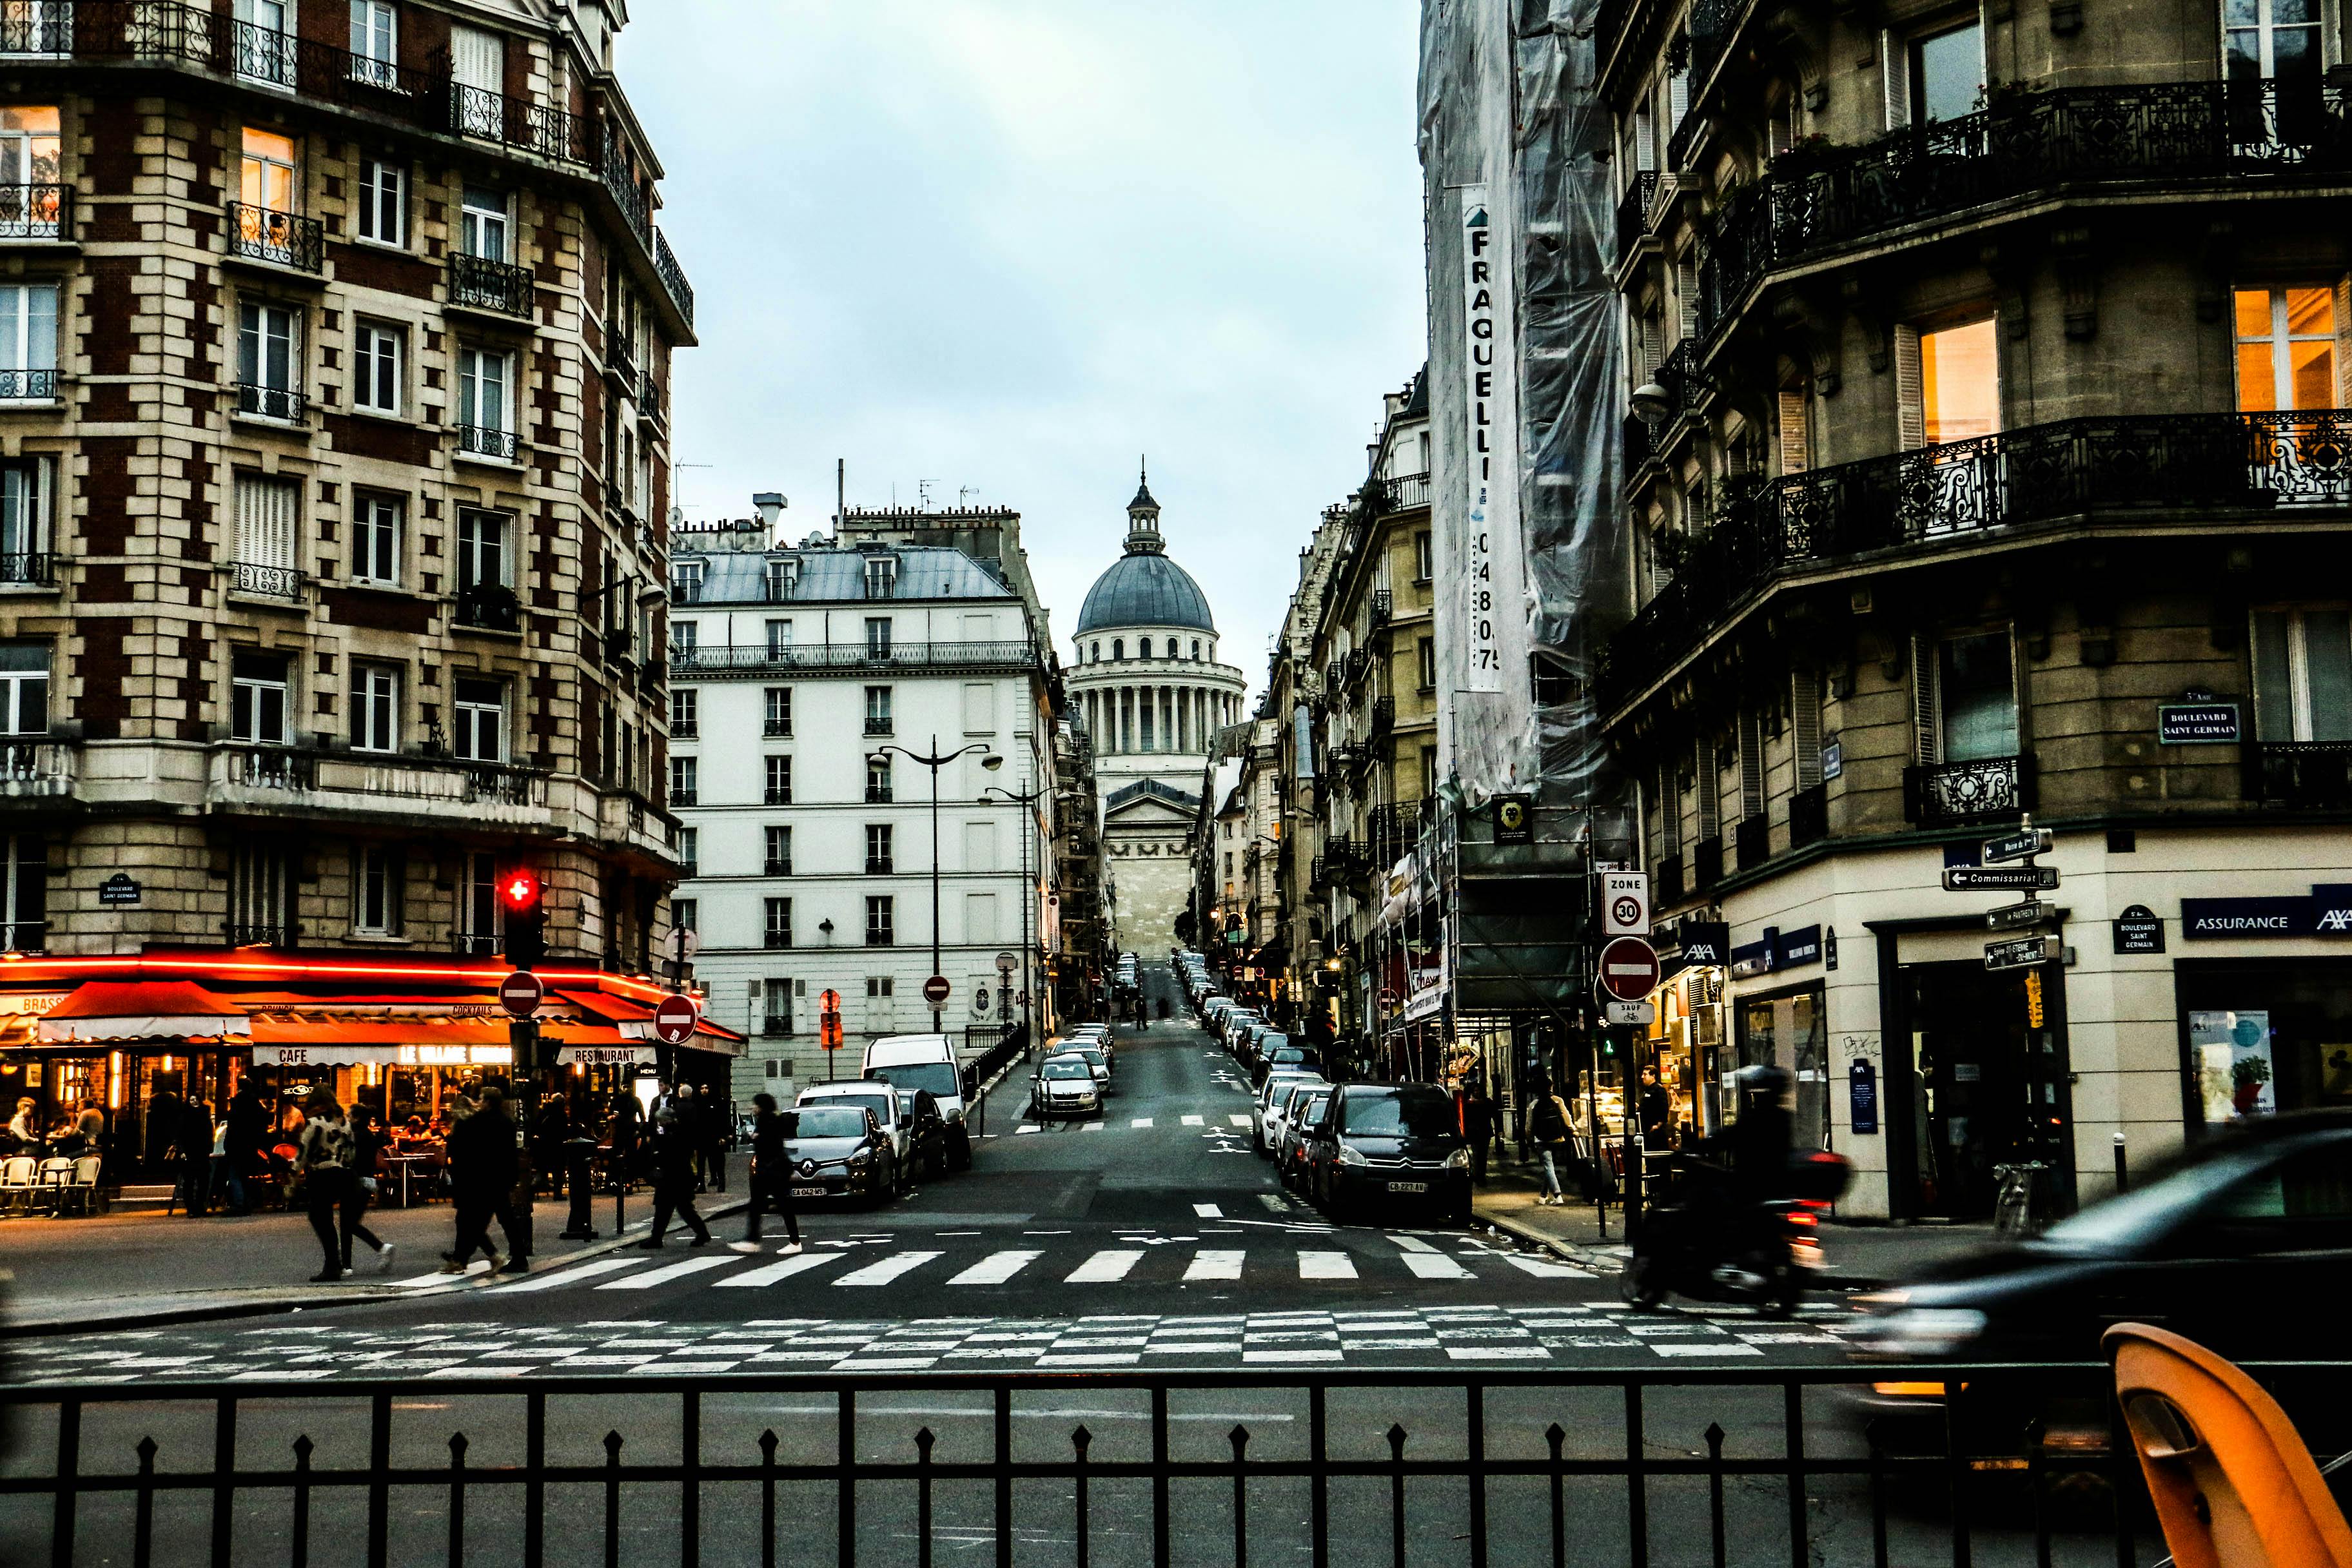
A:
<point x="1006" y="245"/>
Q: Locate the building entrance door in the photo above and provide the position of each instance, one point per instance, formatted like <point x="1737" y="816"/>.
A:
<point x="1988" y="1088"/>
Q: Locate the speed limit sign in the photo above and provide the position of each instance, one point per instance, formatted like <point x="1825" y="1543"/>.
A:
<point x="1625" y="903"/>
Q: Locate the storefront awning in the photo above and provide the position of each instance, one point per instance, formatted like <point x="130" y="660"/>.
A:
<point x="283" y="1039"/>
<point x="634" y="1021"/>
<point x="114" y="1010"/>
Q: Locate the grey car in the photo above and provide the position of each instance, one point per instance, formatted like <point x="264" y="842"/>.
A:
<point x="839" y="1150"/>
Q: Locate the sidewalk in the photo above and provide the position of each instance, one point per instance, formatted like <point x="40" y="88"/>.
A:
<point x="1854" y="1256"/>
<point x="124" y="1270"/>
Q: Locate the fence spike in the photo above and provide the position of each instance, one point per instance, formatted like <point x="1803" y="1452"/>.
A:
<point x="1714" y="1435"/>
<point x="613" y="1446"/>
<point x="1239" y="1438"/>
<point x="146" y="1452"/>
<point x="923" y="1441"/>
<point x="458" y="1446"/>
<point x="1555" y="1436"/>
<point x="768" y="1444"/>
<point x="1396" y="1439"/>
<point x="1081" y="1438"/>
<point x="304" y="1447"/>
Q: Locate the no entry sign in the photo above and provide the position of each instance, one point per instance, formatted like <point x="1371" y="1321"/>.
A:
<point x="935" y="990"/>
<point x="674" y="1020"/>
<point x="521" y="992"/>
<point x="1628" y="970"/>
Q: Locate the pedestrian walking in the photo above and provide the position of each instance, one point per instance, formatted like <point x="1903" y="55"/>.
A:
<point x="673" y="1162"/>
<point x="1547" y="1126"/>
<point x="192" y="1152"/>
<point x="711" y="1124"/>
<point x="245" y="1142"/>
<point x="579" y="1165"/>
<point x="772" y="1177"/>
<point x="325" y="1162"/>
<point x="482" y="1167"/>
<point x="368" y="1140"/>
<point x="1478" y="1127"/>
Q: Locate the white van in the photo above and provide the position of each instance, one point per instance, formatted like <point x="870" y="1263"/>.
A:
<point x="928" y="1062"/>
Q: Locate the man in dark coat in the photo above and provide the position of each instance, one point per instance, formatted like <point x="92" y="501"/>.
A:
<point x="673" y="1162"/>
<point x="246" y="1146"/>
<point x="482" y="1171"/>
<point x="579" y="1158"/>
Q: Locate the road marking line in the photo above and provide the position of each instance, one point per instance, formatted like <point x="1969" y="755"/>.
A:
<point x="1140" y="1121"/>
<point x="784" y="1269"/>
<point x="889" y="1268"/>
<point x="478" y="1266"/>
<point x="1195" y="1122"/>
<point x="1325" y="1266"/>
<point x="1027" y="1127"/>
<point x="1207" y="1211"/>
<point x="1237" y="1118"/>
<point x="1435" y="1266"/>
<point x="664" y="1275"/>
<point x="1090" y="1127"/>
<point x="570" y="1276"/>
<point x="1709" y="1349"/>
<point x="1103" y="1267"/>
<point x="1215" y="1264"/>
<point x="996" y="1268"/>
<point x="1412" y="1244"/>
<point x="1545" y="1268"/>
<point x="1274" y="1200"/>
<point x="1497" y="1353"/>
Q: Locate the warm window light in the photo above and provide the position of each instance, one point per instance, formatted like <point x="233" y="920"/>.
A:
<point x="167" y="1064"/>
<point x="115" y="1080"/>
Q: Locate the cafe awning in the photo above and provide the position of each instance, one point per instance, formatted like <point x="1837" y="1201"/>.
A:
<point x="102" y="1011"/>
<point x="294" y="1039"/>
<point x="634" y="1021"/>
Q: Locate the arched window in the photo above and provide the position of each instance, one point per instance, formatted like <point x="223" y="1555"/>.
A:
<point x="1118" y="648"/>
<point x="1098" y="650"/>
<point x="1172" y="648"/>
<point x="1196" y="648"/>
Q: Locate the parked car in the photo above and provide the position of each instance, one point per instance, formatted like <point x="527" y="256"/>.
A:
<point x="1096" y="1059"/>
<point x="1304" y="1109"/>
<point x="1275" y="1052"/>
<point x="927" y="1062"/>
<point x="1270" y="1115"/>
<point x="1064" y="1086"/>
<point x="909" y="1119"/>
<point x="838" y="1149"/>
<point x="1399" y="1143"/>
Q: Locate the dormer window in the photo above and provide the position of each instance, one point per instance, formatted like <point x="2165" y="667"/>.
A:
<point x="783" y="577"/>
<point x="686" y="582"/>
<point x="881" y="576"/>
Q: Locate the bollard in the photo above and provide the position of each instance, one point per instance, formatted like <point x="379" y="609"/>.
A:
<point x="2123" y="1170"/>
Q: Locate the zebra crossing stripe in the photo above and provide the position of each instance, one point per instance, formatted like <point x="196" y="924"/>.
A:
<point x="1544" y="1267"/>
<point x="1412" y="1244"/>
<point x="1207" y="1211"/>
<point x="1325" y="1266"/>
<point x="1195" y="1122"/>
<point x="1236" y="1118"/>
<point x="783" y="1269"/>
<point x="646" y="1281"/>
<point x="1140" y="1121"/>
<point x="1091" y="1127"/>
<point x="1435" y="1265"/>
<point x="1103" y="1267"/>
<point x="996" y="1268"/>
<point x="1214" y="1263"/>
<point x="889" y="1268"/>
<point x="568" y="1276"/>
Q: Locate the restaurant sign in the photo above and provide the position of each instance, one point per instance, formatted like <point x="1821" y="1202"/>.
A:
<point x="409" y="1056"/>
<point x="605" y="1056"/>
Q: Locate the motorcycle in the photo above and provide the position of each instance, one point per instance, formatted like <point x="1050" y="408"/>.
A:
<point x="1729" y="1250"/>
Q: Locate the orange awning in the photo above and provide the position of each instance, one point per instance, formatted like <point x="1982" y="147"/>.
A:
<point x="111" y="1010"/>
<point x="292" y="1039"/>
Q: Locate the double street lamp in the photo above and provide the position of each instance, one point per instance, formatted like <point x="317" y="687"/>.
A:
<point x="880" y="758"/>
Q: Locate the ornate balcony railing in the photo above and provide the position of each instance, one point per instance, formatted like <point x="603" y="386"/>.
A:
<point x="1687" y="385"/>
<point x="246" y="935"/>
<point x="673" y="277"/>
<point x="268" y="581"/>
<point x="755" y="658"/>
<point x="772" y="867"/>
<point x="2040" y="473"/>
<point x="27" y="568"/>
<point x="879" y="865"/>
<point x="28" y="386"/>
<point x="282" y="239"/>
<point x="480" y="283"/>
<point x="1633" y="212"/>
<point x="490" y="609"/>
<point x="36" y="212"/>
<point x="1951" y="795"/>
<point x="2170" y="133"/>
<point x="281" y="402"/>
<point x="519" y="122"/>
<point x="1384" y="607"/>
<point x="481" y="441"/>
<point x="2310" y="774"/>
<point x="1383" y="715"/>
<point x="1405" y="492"/>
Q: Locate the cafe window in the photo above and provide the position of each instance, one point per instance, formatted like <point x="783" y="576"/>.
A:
<point x="2303" y="675"/>
<point x="24" y="689"/>
<point x="481" y="712"/>
<point x="2286" y="348"/>
<point x="383" y="206"/>
<point x="1965" y="689"/>
<point x="375" y="708"/>
<point x="378" y="350"/>
<point x="1947" y="383"/>
<point x="375" y="539"/>
<point x="376" y="894"/>
<point x="260" y="698"/>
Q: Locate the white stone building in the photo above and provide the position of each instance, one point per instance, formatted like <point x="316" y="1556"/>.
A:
<point x="810" y="866"/>
<point x="1146" y="683"/>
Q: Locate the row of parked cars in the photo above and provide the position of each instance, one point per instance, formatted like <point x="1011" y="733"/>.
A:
<point x="872" y="1137"/>
<point x="1370" y="1149"/>
<point x="1073" y="1076"/>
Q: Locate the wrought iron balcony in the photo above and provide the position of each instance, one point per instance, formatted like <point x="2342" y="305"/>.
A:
<point x="756" y="658"/>
<point x="772" y="728"/>
<point x="2310" y="774"/>
<point x="777" y="940"/>
<point x="28" y="386"/>
<point x="685" y="795"/>
<point x="879" y="865"/>
<point x="1921" y="499"/>
<point x="490" y="608"/>
<point x="2172" y="134"/>
<point x="1687" y="385"/>
<point x="774" y="1027"/>
<point x="1383" y="715"/>
<point x="878" y="794"/>
<point x="1752" y="837"/>
<point x="777" y="794"/>
<point x="245" y="934"/>
<point x="522" y="123"/>
<point x="1951" y="795"/>
<point x="282" y="239"/>
<point x="27" y="569"/>
<point x="774" y="867"/>
<point x="482" y="441"/>
<point x="283" y="404"/>
<point x="685" y="729"/>
<point x="36" y="212"/>
<point x="1384" y="607"/>
<point x="878" y="724"/>
<point x="1405" y="492"/>
<point x="1809" y="817"/>
<point x="1633" y="212"/>
<point x="265" y="582"/>
<point x="673" y="277"/>
<point x="480" y="283"/>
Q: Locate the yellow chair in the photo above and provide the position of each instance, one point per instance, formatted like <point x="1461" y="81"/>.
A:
<point x="2233" y="1484"/>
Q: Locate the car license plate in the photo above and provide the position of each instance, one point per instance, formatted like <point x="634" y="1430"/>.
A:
<point x="1408" y="1187"/>
<point x="808" y="1192"/>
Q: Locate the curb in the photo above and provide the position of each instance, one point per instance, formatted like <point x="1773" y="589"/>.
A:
<point x="1569" y="1250"/>
<point x="20" y="1329"/>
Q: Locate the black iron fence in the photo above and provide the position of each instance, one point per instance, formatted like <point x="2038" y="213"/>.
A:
<point x="485" y="284"/>
<point x="1633" y="212"/>
<point x="1513" y="1466"/>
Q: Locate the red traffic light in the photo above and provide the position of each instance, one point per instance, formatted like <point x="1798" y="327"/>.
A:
<point x="520" y="893"/>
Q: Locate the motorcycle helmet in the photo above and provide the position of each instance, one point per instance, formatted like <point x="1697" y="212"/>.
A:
<point x="1763" y="1079"/>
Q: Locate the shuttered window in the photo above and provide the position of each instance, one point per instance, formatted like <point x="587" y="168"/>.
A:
<point x="265" y="521"/>
<point x="1805" y="725"/>
<point x="1751" y="765"/>
<point x="1670" y="813"/>
<point x="1894" y="70"/>
<point x="1927" y="733"/>
<point x="1796" y="445"/>
<point x="1710" y="793"/>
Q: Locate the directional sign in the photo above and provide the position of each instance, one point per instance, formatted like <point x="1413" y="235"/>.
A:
<point x="2021" y="952"/>
<point x="674" y="1019"/>
<point x="935" y="990"/>
<point x="1625" y="903"/>
<point x="2020" y="846"/>
<point x="2013" y="917"/>
<point x="1991" y="879"/>
<point x="521" y="992"/>
<point x="1628" y="970"/>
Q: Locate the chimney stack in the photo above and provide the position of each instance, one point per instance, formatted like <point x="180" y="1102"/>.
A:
<point x="771" y="505"/>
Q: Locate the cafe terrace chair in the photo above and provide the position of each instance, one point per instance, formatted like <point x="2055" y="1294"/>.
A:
<point x="20" y="1179"/>
<point x="56" y="1177"/>
<point x="2233" y="1485"/>
<point x="80" y="1192"/>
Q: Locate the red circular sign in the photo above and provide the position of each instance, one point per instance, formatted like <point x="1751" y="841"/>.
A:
<point x="521" y="992"/>
<point x="674" y="1020"/>
<point x="935" y="989"/>
<point x="1629" y="969"/>
<point x="1388" y="997"/>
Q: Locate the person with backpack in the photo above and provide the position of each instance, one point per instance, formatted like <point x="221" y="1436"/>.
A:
<point x="482" y="1173"/>
<point x="325" y="1162"/>
<point x="1547" y="1129"/>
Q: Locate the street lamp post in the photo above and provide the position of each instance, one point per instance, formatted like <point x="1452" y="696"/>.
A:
<point x="879" y="757"/>
<point x="1027" y="801"/>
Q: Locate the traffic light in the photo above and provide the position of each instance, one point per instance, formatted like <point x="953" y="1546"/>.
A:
<point x="525" y="918"/>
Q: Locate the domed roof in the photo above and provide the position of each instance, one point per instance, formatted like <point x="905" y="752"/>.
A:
<point x="1145" y="589"/>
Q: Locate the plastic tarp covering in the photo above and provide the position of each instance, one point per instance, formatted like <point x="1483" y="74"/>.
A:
<point x="1508" y="103"/>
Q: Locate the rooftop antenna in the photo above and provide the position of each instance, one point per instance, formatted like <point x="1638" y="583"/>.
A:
<point x="923" y="493"/>
<point x="840" y="493"/>
<point x="963" y="490"/>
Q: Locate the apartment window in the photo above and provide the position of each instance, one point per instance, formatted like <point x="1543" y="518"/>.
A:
<point x="375" y="42"/>
<point x="25" y="520"/>
<point x="375" y="538"/>
<point x="877" y="637"/>
<point x="260" y="698"/>
<point x="778" y="994"/>
<point x="878" y="710"/>
<point x="1425" y="649"/>
<point x="878" y="988"/>
<point x="263" y="43"/>
<point x="880" y="922"/>
<point x="1947" y="73"/>
<point x="881" y="576"/>
<point x="24" y="689"/>
<point x="375" y="708"/>
<point x="478" y="904"/>
<point x="481" y="711"/>
<point x="483" y="226"/>
<point x="260" y="894"/>
<point x="689" y="855"/>
<point x="486" y="402"/>
<point x="878" y="789"/>
<point x="782" y="577"/>
<point x="377" y="354"/>
<point x="28" y="340"/>
<point x="381" y="208"/>
<point x="31" y="196"/>
<point x="268" y="176"/>
<point x="686" y="914"/>
<point x="685" y="713"/>
<point x="2272" y="40"/>
<point x="778" y="861"/>
<point x="1947" y="383"/>
<point x="685" y="580"/>
<point x="482" y="550"/>
<point x="878" y="858"/>
<point x="2303" y="675"/>
<point x="266" y="536"/>
<point x="779" y="781"/>
<point x="1428" y="772"/>
<point x="1968" y="710"/>
<point x="684" y="636"/>
<point x="777" y="716"/>
<point x="2286" y="348"/>
<point x="376" y="886"/>
<point x="779" y="931"/>
<point x="268" y="361"/>
<point x="683" y="775"/>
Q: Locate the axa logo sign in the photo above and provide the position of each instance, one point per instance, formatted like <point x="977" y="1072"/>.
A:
<point x="2326" y="912"/>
